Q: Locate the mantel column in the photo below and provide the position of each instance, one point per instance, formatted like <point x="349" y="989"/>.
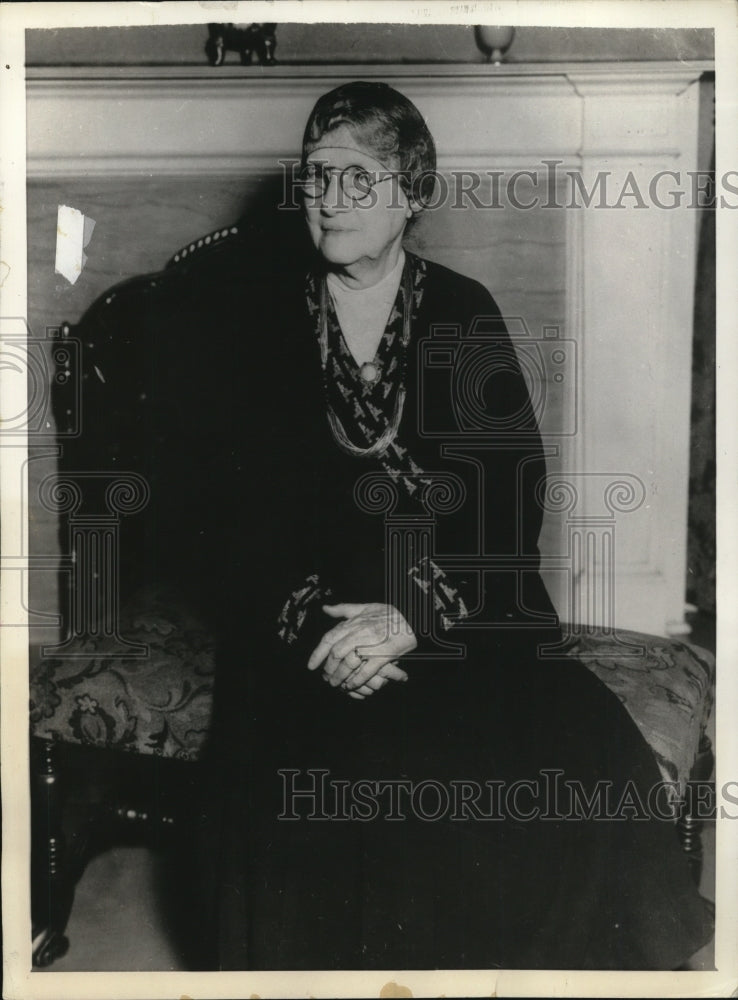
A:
<point x="632" y="317"/>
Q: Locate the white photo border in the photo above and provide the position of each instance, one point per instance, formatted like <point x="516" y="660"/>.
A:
<point x="20" y="981"/>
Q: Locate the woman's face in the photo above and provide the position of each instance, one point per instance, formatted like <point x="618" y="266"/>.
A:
<point x="346" y="232"/>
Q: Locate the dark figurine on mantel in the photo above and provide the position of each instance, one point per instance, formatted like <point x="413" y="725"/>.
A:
<point x="248" y="40"/>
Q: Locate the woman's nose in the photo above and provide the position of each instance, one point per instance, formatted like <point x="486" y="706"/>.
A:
<point x="334" y="199"/>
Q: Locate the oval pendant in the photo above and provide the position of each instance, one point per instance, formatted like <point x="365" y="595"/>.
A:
<point x="369" y="372"/>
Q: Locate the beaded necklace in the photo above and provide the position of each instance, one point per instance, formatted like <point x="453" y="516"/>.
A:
<point x="370" y="374"/>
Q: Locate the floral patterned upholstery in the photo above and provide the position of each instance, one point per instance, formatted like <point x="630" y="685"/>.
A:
<point x="666" y="685"/>
<point x="162" y="703"/>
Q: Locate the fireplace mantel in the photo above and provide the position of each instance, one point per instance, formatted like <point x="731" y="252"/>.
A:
<point x="629" y="281"/>
<point x="131" y="119"/>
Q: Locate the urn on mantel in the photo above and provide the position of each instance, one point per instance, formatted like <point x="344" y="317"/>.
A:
<point x="495" y="40"/>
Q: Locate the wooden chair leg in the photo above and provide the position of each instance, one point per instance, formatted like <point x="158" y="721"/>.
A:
<point x="51" y="888"/>
<point x="694" y="808"/>
<point x="57" y="860"/>
<point x="66" y="836"/>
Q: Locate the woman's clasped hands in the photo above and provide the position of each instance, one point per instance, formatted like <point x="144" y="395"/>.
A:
<point x="360" y="653"/>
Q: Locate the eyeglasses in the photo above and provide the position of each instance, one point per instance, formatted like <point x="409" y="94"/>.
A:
<point x="354" y="181"/>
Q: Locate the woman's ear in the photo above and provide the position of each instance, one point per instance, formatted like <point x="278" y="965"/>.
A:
<point x="408" y="187"/>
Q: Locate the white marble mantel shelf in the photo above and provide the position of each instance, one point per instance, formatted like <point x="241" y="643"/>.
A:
<point x="358" y="70"/>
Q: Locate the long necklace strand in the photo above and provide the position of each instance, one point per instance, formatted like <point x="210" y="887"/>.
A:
<point x="386" y="438"/>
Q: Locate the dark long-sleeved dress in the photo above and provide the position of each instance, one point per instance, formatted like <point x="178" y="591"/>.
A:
<point x="458" y="869"/>
<point x="447" y="847"/>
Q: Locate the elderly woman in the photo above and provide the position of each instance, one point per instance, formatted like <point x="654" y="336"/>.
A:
<point x="392" y="724"/>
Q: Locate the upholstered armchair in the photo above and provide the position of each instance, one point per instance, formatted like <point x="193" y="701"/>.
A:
<point x="132" y="680"/>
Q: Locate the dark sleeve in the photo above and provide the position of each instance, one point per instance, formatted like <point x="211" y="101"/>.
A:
<point x="486" y="396"/>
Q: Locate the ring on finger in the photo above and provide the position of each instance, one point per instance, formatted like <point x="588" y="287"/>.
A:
<point x="357" y="661"/>
<point x="354" y="659"/>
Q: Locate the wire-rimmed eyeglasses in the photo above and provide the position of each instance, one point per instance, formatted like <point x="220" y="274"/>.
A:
<point x="354" y="181"/>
